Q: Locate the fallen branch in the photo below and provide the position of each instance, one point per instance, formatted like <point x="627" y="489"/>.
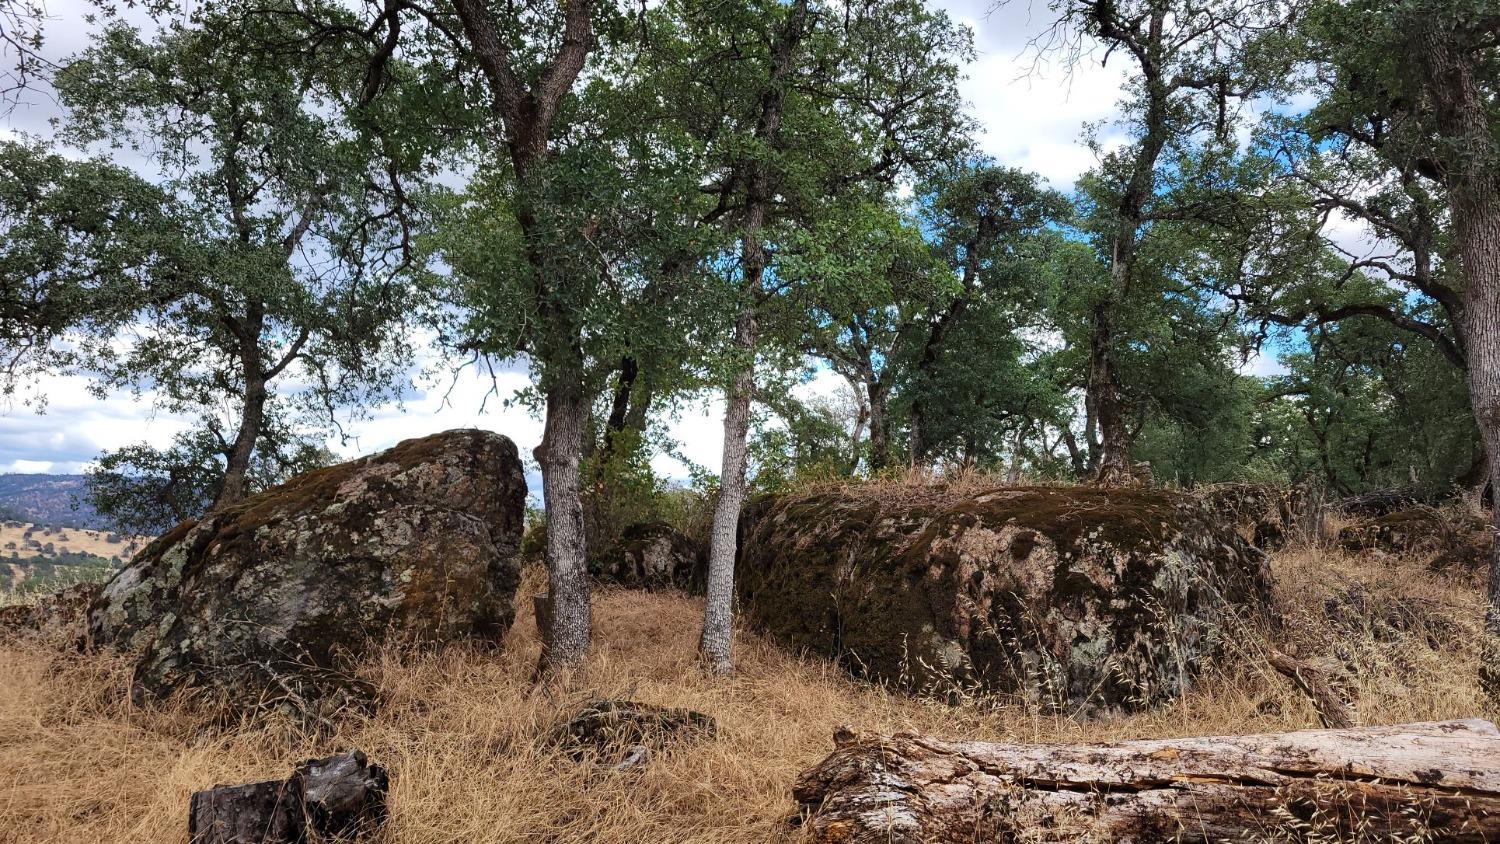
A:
<point x="1332" y="711"/>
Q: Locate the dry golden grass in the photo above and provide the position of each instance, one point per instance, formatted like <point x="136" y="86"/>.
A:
<point x="65" y="541"/>
<point x="459" y="727"/>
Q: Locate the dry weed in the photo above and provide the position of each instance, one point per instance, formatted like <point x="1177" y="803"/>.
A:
<point x="459" y="727"/>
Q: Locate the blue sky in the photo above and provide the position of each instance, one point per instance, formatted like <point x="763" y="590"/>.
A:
<point x="1031" y="115"/>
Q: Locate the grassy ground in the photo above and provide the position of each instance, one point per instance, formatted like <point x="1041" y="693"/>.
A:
<point x="459" y="729"/>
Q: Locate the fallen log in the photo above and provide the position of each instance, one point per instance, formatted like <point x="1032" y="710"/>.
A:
<point x="1429" y="782"/>
<point x="340" y="798"/>
<point x="1332" y="711"/>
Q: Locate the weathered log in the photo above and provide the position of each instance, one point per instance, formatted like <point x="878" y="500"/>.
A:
<point x="1429" y="782"/>
<point x="340" y="798"/>
<point x="1332" y="711"/>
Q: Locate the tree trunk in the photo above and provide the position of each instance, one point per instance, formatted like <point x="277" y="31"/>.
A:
<point x="566" y="640"/>
<point x="718" y="610"/>
<point x="619" y="409"/>
<point x="880" y="428"/>
<point x="1429" y="782"/>
<point x="252" y="415"/>
<point x="1446" y="63"/>
<point x="1114" y="433"/>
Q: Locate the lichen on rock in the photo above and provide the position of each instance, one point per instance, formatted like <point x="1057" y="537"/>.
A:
<point x="1073" y="597"/>
<point x="266" y="602"/>
<point x="652" y="555"/>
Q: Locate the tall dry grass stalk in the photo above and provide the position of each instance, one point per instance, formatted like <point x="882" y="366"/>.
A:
<point x="459" y="727"/>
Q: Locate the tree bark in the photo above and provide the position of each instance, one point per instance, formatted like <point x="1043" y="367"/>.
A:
<point x="566" y="639"/>
<point x="1406" y="782"/>
<point x="340" y="798"/>
<point x="1445" y="60"/>
<point x="718" y="611"/>
<point x="252" y="414"/>
<point x="715" y="645"/>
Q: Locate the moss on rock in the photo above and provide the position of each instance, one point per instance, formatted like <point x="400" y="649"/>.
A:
<point x="1071" y="596"/>
<point x="266" y="601"/>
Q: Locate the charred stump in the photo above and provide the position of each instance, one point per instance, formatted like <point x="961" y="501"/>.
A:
<point x="340" y="798"/>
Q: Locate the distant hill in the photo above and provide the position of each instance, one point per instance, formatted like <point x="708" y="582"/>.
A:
<point x="46" y="500"/>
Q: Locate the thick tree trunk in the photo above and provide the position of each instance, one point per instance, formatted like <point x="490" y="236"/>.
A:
<point x="1446" y="56"/>
<point x="718" y="611"/>
<point x="1114" y="432"/>
<point x="566" y="640"/>
<point x="1428" y="782"/>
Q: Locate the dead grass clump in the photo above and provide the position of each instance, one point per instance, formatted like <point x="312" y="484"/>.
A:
<point x="463" y="731"/>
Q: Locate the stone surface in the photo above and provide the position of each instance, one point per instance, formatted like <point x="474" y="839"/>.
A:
<point x="266" y="602"/>
<point x="1074" y="597"/>
<point x="338" y="798"/>
<point x="60" y="613"/>
<point x="1452" y="539"/>
<point x="653" y="555"/>
<point x="623" y="733"/>
<point x="1265" y="516"/>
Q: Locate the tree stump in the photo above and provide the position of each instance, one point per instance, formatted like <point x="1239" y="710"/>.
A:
<point x="340" y="798"/>
<point x="1429" y="782"/>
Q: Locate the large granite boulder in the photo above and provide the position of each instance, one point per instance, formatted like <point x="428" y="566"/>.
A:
<point x="1073" y="597"/>
<point x="267" y="602"/>
<point x="653" y="555"/>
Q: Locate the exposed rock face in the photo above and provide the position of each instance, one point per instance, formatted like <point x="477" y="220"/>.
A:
<point x="1264" y="515"/>
<point x="266" y="601"/>
<point x="60" y="613"/>
<point x="1075" y="597"/>
<point x="1456" y="540"/>
<point x="653" y="555"/>
<point x="622" y="734"/>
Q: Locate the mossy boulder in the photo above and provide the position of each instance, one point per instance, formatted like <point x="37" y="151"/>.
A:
<point x="653" y="555"/>
<point x="1264" y="515"/>
<point x="1073" y="597"/>
<point x="268" y="602"/>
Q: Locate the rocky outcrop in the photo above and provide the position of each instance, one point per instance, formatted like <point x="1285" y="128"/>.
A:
<point x="1074" y="597"/>
<point x="653" y="555"/>
<point x="60" y="613"/>
<point x="1453" y="539"/>
<point x="623" y="734"/>
<point x="268" y="601"/>
<point x="1265" y="516"/>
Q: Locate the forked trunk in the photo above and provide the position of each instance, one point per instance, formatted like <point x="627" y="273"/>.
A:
<point x="566" y="639"/>
<point x="718" y="612"/>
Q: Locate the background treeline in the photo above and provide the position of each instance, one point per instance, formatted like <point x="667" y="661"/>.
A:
<point x="275" y="216"/>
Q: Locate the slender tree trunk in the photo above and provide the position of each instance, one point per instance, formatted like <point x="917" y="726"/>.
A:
<point x="566" y="643"/>
<point x="252" y="415"/>
<point x="1446" y="61"/>
<point x="718" y="621"/>
<point x="880" y="428"/>
<point x="619" y="409"/>
<point x="252" y="419"/>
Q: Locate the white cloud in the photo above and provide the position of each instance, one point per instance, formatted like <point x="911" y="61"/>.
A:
<point x="1031" y="118"/>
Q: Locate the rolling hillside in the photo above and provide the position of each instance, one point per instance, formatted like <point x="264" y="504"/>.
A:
<point x="46" y="500"/>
